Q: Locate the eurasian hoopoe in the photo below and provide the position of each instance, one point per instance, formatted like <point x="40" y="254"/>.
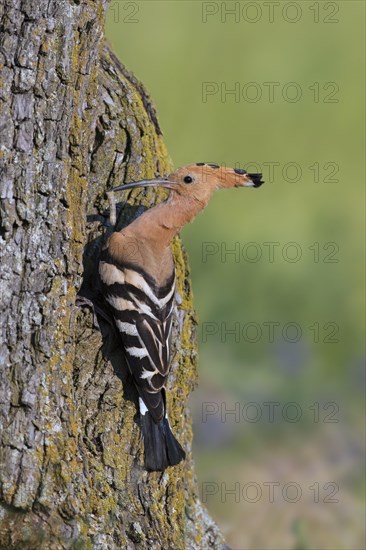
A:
<point x="138" y="282"/>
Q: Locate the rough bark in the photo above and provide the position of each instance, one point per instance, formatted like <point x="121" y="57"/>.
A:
<point x="73" y="123"/>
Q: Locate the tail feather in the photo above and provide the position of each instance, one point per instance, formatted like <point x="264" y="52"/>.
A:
<point x="174" y="450"/>
<point x="161" y="447"/>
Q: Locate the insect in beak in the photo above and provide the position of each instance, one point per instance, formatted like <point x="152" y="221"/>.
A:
<point x="157" y="182"/>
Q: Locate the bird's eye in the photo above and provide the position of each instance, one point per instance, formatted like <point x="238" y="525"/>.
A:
<point x="188" y="179"/>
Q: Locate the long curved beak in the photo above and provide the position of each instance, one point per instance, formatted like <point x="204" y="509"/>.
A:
<point x="158" y="182"/>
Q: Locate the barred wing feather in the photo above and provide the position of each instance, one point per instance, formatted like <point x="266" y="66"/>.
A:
<point x="143" y="316"/>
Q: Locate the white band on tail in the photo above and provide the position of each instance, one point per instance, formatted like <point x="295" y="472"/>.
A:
<point x="142" y="406"/>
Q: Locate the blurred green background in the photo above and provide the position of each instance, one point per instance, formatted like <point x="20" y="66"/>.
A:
<point x="313" y="197"/>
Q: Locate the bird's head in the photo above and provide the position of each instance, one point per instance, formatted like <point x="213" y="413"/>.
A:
<point x="199" y="181"/>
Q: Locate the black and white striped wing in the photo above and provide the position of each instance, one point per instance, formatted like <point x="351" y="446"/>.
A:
<point x="143" y="316"/>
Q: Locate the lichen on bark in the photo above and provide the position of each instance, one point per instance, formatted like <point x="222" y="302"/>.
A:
<point x="75" y="122"/>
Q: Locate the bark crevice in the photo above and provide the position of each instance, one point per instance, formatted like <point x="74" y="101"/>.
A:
<point x="74" y="122"/>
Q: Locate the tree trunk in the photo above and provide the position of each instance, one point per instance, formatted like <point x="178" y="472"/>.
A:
<point x="73" y="123"/>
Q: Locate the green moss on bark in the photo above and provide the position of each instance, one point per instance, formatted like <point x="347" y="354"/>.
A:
<point x="72" y="458"/>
